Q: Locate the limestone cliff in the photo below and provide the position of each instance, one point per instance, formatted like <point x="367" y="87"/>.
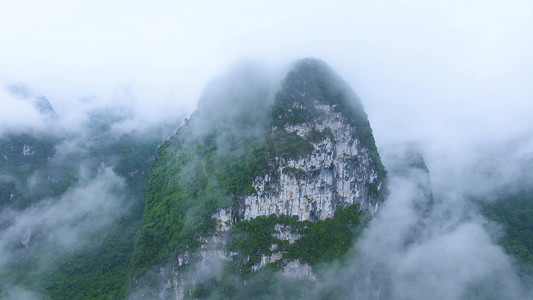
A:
<point x="339" y="164"/>
<point x="337" y="172"/>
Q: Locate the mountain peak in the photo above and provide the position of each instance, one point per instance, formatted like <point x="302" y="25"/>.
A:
<point x="309" y="79"/>
<point x="307" y="157"/>
<point x="313" y="82"/>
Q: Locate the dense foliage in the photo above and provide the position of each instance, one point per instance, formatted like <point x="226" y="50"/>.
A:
<point x="515" y="213"/>
<point x="101" y="269"/>
<point x="290" y="145"/>
<point x="178" y="188"/>
<point x="22" y="155"/>
<point x="251" y="239"/>
<point x="193" y="175"/>
<point x="321" y="241"/>
<point x="325" y="241"/>
<point x="98" y="272"/>
<point x="316" y="136"/>
<point x="186" y="185"/>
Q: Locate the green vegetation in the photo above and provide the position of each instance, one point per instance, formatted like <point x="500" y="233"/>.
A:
<point x="236" y="176"/>
<point x="99" y="272"/>
<point x="101" y="269"/>
<point x="292" y="115"/>
<point x="253" y="238"/>
<point x="315" y="136"/>
<point x="290" y="145"/>
<point x="190" y="179"/>
<point x="39" y="152"/>
<point x="373" y="189"/>
<point x="321" y="241"/>
<point x="294" y="172"/>
<point x="328" y="240"/>
<point x="16" y="168"/>
<point x="265" y="284"/>
<point x="177" y="186"/>
<point x="515" y="214"/>
<point x="210" y="161"/>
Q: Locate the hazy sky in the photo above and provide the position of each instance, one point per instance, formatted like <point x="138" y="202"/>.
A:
<point x="450" y="74"/>
<point x="444" y="63"/>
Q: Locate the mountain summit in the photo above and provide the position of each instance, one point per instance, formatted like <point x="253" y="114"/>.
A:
<point x="257" y="181"/>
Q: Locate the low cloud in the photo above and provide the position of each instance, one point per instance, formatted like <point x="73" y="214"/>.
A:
<point x="50" y="228"/>
<point x="449" y="252"/>
<point x="18" y="115"/>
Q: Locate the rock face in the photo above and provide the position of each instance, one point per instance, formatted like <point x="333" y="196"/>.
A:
<point x="338" y="172"/>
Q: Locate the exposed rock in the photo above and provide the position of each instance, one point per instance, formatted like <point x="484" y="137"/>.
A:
<point x="267" y="259"/>
<point x="26" y="151"/>
<point x="25" y="238"/>
<point x="285" y="233"/>
<point x="296" y="270"/>
<point x="336" y="174"/>
<point x="223" y="217"/>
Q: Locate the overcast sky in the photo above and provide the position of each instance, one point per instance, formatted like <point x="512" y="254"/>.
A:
<point x="422" y="68"/>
